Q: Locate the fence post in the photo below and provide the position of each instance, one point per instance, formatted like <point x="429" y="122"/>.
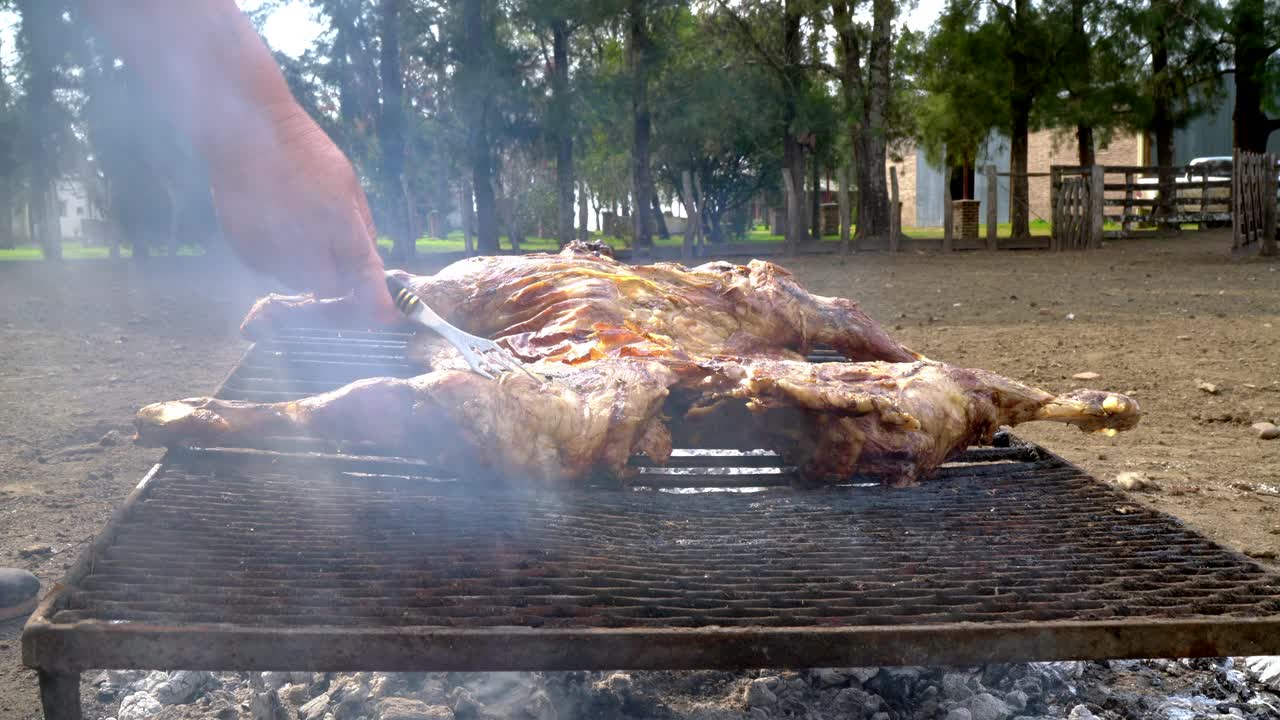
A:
<point x="1097" y="206"/>
<point x="1055" y="198"/>
<point x="895" y="210"/>
<point x="1126" y="225"/>
<point x="844" y="209"/>
<point x="1269" y="204"/>
<point x="993" y="214"/>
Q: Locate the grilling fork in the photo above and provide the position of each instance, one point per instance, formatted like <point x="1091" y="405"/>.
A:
<point x="483" y="356"/>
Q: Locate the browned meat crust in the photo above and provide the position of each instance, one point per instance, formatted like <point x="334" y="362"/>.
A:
<point x="713" y="354"/>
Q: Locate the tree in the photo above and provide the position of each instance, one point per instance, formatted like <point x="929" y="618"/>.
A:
<point x="723" y="133"/>
<point x="475" y="82"/>
<point x="639" y="42"/>
<point x="41" y="42"/>
<point x="866" y="94"/>
<point x="1183" y="79"/>
<point x="1006" y="56"/>
<point x="10" y="161"/>
<point x="1255" y="32"/>
<point x="391" y="135"/>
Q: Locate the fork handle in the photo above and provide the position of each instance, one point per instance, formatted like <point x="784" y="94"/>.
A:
<point x="408" y="302"/>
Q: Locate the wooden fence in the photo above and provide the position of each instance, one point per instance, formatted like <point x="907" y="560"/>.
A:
<point x="1198" y="195"/>
<point x="1073" y="216"/>
<point x="1254" y="203"/>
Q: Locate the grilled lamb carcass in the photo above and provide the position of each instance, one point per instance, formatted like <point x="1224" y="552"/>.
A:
<point x="894" y="421"/>
<point x="581" y="305"/>
<point x="714" y="353"/>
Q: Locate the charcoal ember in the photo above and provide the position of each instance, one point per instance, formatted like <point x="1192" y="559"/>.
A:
<point x="985" y="706"/>
<point x="139" y="706"/>
<point x="882" y="716"/>
<point x="959" y="714"/>
<point x="757" y="714"/>
<point x="465" y="705"/>
<point x="181" y="686"/>
<point x="894" y="685"/>
<point x="1029" y="685"/>
<point x="295" y="694"/>
<point x="831" y="677"/>
<point x="856" y="702"/>
<point x="266" y="706"/>
<point x="539" y="707"/>
<point x="1081" y="712"/>
<point x="959" y="686"/>
<point x="396" y="708"/>
<point x="1017" y="700"/>
<point x="758" y="693"/>
<point x="315" y="708"/>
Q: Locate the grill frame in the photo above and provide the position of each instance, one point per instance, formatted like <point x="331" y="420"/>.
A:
<point x="60" y="650"/>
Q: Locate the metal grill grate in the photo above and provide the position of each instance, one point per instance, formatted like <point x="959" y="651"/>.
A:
<point x="241" y="558"/>
<point x="240" y="542"/>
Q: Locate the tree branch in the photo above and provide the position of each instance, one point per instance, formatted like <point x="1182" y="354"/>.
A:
<point x="745" y="29"/>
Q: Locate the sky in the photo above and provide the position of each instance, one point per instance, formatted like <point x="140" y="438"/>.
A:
<point x="292" y="28"/>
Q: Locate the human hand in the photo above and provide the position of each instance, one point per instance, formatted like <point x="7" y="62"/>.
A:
<point x="291" y="205"/>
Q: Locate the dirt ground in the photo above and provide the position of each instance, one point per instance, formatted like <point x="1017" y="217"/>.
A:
<point x="83" y="346"/>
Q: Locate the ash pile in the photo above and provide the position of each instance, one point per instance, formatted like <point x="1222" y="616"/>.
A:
<point x="1220" y="689"/>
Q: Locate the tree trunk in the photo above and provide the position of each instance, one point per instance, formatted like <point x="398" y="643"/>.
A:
<point x="40" y="20"/>
<point x="583" y="212"/>
<point x="815" y="199"/>
<point x="1084" y="145"/>
<point x="792" y="150"/>
<point x="562" y="122"/>
<point x="1084" y="131"/>
<point x="1019" y="206"/>
<point x="7" y="241"/>
<point x="1162" y="112"/>
<point x="1249" y="29"/>
<point x="851" y="86"/>
<point x="659" y="220"/>
<point x="476" y="61"/>
<point x="873" y="186"/>
<point x="637" y="55"/>
<point x="391" y="135"/>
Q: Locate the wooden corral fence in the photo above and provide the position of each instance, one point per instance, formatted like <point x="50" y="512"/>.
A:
<point x="1199" y="195"/>
<point x="1073" y="226"/>
<point x="1254" y="203"/>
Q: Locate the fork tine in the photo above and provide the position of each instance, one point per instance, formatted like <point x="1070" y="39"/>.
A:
<point x="504" y="358"/>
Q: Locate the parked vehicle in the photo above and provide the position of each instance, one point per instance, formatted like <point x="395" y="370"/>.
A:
<point x="1217" y="168"/>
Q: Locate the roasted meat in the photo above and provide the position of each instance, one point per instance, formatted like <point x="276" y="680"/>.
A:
<point x="713" y="355"/>
<point x="582" y="305"/>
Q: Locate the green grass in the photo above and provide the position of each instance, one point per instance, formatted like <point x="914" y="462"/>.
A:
<point x="76" y="251"/>
<point x="454" y="243"/>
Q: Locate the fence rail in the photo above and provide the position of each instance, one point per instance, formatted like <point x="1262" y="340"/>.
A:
<point x="1196" y="195"/>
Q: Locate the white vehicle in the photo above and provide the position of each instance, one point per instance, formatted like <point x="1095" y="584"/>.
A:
<point x="1202" y="168"/>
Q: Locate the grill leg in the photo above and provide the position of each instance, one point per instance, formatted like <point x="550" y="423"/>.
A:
<point x="60" y="695"/>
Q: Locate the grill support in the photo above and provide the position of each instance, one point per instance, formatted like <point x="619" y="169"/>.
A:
<point x="60" y="695"/>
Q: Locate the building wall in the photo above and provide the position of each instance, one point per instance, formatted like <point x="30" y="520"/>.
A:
<point x="922" y="197"/>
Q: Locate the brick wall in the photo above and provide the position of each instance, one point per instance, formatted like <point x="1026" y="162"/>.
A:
<point x="1050" y="147"/>
<point x="906" y="187"/>
<point x="1044" y="148"/>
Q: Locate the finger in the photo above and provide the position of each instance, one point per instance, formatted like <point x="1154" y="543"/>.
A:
<point x="358" y="260"/>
